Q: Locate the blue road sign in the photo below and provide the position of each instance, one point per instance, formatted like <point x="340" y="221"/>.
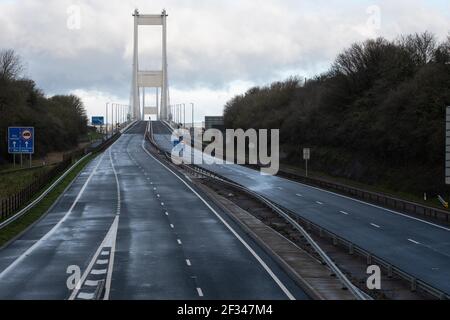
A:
<point x="98" y="121"/>
<point x="21" y="140"/>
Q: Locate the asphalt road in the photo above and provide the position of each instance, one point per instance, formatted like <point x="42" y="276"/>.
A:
<point x="143" y="231"/>
<point x="418" y="247"/>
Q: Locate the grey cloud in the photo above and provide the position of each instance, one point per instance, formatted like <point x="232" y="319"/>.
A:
<point x="211" y="43"/>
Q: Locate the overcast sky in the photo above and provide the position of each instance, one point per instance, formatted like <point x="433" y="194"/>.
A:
<point x="216" y="48"/>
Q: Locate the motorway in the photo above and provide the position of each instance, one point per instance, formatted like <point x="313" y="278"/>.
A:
<point x="145" y="232"/>
<point x="417" y="247"/>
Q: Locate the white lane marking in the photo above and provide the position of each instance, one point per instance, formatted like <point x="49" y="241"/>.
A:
<point x="179" y="241"/>
<point x="374" y="225"/>
<point x="162" y="203"/>
<point x="157" y="195"/>
<point x="200" y="292"/>
<point x="188" y="262"/>
<point x="56" y="226"/>
<point x="98" y="271"/>
<point x="318" y="202"/>
<point x="102" y="261"/>
<point x="279" y="188"/>
<point x="86" y="296"/>
<point x="246" y="245"/>
<point x="372" y="205"/>
<point x="113" y="237"/>
<point x="167" y="214"/>
<point x="108" y="241"/>
<point x="91" y="283"/>
<point x="299" y="195"/>
<point x="414" y="241"/>
<point x="172" y="226"/>
<point x="105" y="253"/>
<point x="343" y="212"/>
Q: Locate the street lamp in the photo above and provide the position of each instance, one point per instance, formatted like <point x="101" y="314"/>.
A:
<point x="184" y="115"/>
<point x="192" y="106"/>
<point x="112" y="119"/>
<point x="193" y="135"/>
<point x="117" y="115"/>
<point x="106" y="120"/>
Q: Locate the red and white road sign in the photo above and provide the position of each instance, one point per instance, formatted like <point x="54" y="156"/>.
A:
<point x="26" y="134"/>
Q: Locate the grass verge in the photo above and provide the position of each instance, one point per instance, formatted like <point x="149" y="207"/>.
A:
<point x="16" y="227"/>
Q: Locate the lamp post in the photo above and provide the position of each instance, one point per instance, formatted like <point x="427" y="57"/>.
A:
<point x="184" y="115"/>
<point x="112" y="119"/>
<point x="117" y="115"/>
<point x="106" y="120"/>
<point x="193" y="135"/>
<point x="192" y="106"/>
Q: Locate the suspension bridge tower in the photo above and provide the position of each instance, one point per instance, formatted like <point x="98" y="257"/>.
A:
<point x="149" y="78"/>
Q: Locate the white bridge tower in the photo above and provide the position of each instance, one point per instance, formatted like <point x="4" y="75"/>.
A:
<point x="149" y="79"/>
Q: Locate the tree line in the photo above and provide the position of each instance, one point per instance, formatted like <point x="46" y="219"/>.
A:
<point x="59" y="121"/>
<point x="376" y="116"/>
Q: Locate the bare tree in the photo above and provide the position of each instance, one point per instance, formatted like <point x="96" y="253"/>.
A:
<point x="10" y="64"/>
<point x="421" y="47"/>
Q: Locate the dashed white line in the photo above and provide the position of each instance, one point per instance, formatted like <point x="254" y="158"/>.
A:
<point x="179" y="241"/>
<point x="373" y="205"/>
<point x="85" y="296"/>
<point x="299" y="195"/>
<point x="167" y="214"/>
<point x="188" y="262"/>
<point x="91" y="283"/>
<point x="246" y="245"/>
<point x="414" y="241"/>
<point x="172" y="226"/>
<point x="98" y="271"/>
<point x="343" y="212"/>
<point x="200" y="292"/>
<point x="375" y="225"/>
<point x="318" y="202"/>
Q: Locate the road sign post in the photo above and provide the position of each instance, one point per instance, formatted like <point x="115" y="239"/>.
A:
<point x="306" y="157"/>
